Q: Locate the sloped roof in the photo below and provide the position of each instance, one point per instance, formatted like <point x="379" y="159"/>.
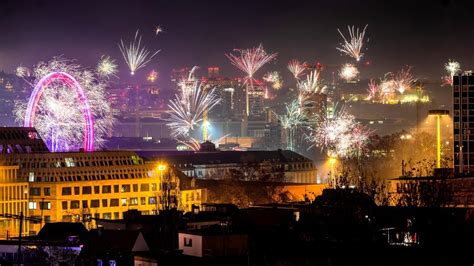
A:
<point x="62" y="231"/>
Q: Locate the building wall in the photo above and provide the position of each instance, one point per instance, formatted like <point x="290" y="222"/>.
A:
<point x="300" y="192"/>
<point x="193" y="197"/>
<point x="13" y="201"/>
<point x="225" y="245"/>
<point x="191" y="245"/>
<point x="89" y="175"/>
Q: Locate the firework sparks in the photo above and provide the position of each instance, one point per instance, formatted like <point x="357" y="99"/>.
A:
<point x="452" y="67"/>
<point x="107" y="67"/>
<point x="22" y="72"/>
<point x="296" y="68"/>
<point x="293" y="118"/>
<point x="274" y="78"/>
<point x="373" y="90"/>
<point x="135" y="55"/>
<point x="404" y="80"/>
<point x="59" y="118"/>
<point x="158" y="30"/>
<point x="187" y="109"/>
<point x="250" y="60"/>
<point x="348" y="72"/>
<point x="353" y="47"/>
<point x="340" y="135"/>
<point x="152" y="76"/>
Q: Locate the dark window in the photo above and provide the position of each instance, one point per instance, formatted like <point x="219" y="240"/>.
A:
<point x="125" y="188"/>
<point x="188" y="242"/>
<point x="106" y="189"/>
<point x="66" y="191"/>
<point x="143" y="201"/>
<point x="64" y="205"/>
<point x="116" y="188"/>
<point x="76" y="190"/>
<point x="84" y="204"/>
<point x="75" y="204"/>
<point x="86" y="190"/>
<point x="135" y="187"/>
<point x="47" y="191"/>
<point x="104" y="203"/>
<point x="35" y="191"/>
<point x="47" y="219"/>
<point x="96" y="189"/>
<point x="144" y="187"/>
<point x="95" y="203"/>
<point x="114" y="202"/>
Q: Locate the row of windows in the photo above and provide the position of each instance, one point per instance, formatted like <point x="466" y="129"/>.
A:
<point x="33" y="178"/>
<point x="96" y="203"/>
<point x="66" y="191"/>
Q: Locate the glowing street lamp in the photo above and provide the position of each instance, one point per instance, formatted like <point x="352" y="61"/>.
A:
<point x="438" y="114"/>
<point x="332" y="161"/>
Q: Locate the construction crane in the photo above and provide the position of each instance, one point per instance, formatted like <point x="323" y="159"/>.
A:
<point x="21" y="218"/>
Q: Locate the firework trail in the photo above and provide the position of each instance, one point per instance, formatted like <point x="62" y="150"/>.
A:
<point x="135" y="55"/>
<point x="296" y="68"/>
<point x="59" y="118"/>
<point x="310" y="86"/>
<point x="107" y="67"/>
<point x="250" y="61"/>
<point x="353" y="47"/>
<point x="187" y="109"/>
<point x="348" y="72"/>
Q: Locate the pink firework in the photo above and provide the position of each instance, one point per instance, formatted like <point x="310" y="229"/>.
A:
<point x="250" y="60"/>
<point x="404" y="80"/>
<point x="296" y="68"/>
<point x="373" y="90"/>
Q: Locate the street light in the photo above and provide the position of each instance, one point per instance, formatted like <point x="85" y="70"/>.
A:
<point x="332" y="161"/>
<point x="438" y="114"/>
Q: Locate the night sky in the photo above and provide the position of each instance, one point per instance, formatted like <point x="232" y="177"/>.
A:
<point x="423" y="34"/>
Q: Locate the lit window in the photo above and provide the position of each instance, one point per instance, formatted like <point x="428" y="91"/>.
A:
<point x="31" y="177"/>
<point x="124" y="202"/>
<point x="69" y="162"/>
<point x="152" y="200"/>
<point x="32" y="205"/>
<point x="133" y="201"/>
<point x="188" y="242"/>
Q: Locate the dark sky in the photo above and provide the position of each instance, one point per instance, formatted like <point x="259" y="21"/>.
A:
<point x="423" y="34"/>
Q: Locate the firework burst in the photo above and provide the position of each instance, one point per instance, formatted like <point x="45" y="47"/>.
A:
<point x="187" y="109"/>
<point x="59" y="118"/>
<point x="296" y="68"/>
<point x="22" y="72"/>
<point x="404" y="80"/>
<point x="250" y="60"/>
<point x="107" y="67"/>
<point x="373" y="90"/>
<point x="158" y="30"/>
<point x="152" y="76"/>
<point x="353" y="46"/>
<point x="340" y="135"/>
<point x="452" y="67"/>
<point x="348" y="72"/>
<point x="135" y="55"/>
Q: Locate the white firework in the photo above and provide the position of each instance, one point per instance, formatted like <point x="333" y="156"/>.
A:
<point x="340" y="135"/>
<point x="187" y="109"/>
<point x="452" y="67"/>
<point x="135" y="55"/>
<point x="22" y="72"/>
<point x="353" y="46"/>
<point x="59" y="118"/>
<point x="158" y="29"/>
<point x="107" y="67"/>
<point x="348" y="72"/>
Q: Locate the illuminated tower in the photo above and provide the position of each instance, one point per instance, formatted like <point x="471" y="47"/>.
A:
<point x="463" y="106"/>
